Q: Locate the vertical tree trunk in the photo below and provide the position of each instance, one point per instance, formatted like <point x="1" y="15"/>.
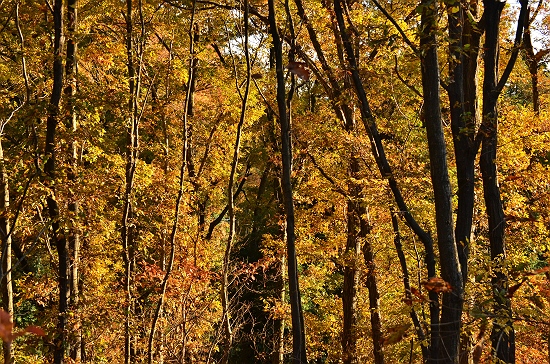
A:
<point x="128" y="230"/>
<point x="73" y="206"/>
<point x="298" y="329"/>
<point x="374" y="294"/>
<point x="57" y="236"/>
<point x="451" y="311"/>
<point x="502" y="335"/>
<point x="532" y="65"/>
<point x="5" y="234"/>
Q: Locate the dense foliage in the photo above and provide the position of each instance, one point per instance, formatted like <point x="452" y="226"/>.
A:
<point x="169" y="168"/>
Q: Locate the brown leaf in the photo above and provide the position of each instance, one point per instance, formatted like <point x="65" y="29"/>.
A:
<point x="417" y="293"/>
<point x="6" y="326"/>
<point x="299" y="69"/>
<point x="437" y="285"/>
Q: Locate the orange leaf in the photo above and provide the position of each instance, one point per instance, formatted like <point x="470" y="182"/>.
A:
<point x="437" y="285"/>
<point x="538" y="271"/>
<point x="35" y="330"/>
<point x="417" y="293"/>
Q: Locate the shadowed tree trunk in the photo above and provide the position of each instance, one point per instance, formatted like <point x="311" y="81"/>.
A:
<point x="58" y="237"/>
<point x="298" y="329"/>
<point x="502" y="335"/>
<point x="451" y="310"/>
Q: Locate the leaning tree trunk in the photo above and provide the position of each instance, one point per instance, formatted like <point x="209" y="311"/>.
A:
<point x="385" y="169"/>
<point x="226" y="303"/>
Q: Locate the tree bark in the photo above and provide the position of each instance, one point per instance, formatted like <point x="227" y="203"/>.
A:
<point x="132" y="143"/>
<point x="58" y="237"/>
<point x="448" y="336"/>
<point x="6" y="265"/>
<point x="502" y="335"/>
<point x="374" y="294"/>
<point x="298" y="329"/>
<point x="73" y="205"/>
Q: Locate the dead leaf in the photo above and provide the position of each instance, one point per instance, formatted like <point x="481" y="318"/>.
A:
<point x="299" y="69"/>
<point x="437" y="285"/>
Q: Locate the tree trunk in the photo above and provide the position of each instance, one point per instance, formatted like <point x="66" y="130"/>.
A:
<point x="226" y="304"/>
<point x="6" y="266"/>
<point x="73" y="205"/>
<point x="532" y="65"/>
<point x="298" y="329"/>
<point x="449" y="332"/>
<point x="128" y="229"/>
<point x="502" y="335"/>
<point x="58" y="236"/>
<point x="384" y="167"/>
<point x="374" y="294"/>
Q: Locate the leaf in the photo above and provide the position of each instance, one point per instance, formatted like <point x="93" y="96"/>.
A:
<point x="396" y="334"/>
<point x="299" y="69"/>
<point x="437" y="285"/>
<point x="35" y="330"/>
<point x="417" y="293"/>
<point x="514" y="288"/>
<point x="6" y="326"/>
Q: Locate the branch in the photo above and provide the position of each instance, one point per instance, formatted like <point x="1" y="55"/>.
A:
<point x="392" y="20"/>
<point x="515" y="50"/>
<point x="327" y="177"/>
<point x="411" y="87"/>
<point x="220" y="217"/>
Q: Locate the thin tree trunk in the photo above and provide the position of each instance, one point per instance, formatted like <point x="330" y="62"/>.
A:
<point x="73" y="206"/>
<point x="184" y="155"/>
<point x="128" y="230"/>
<point x="502" y="335"/>
<point x="406" y="283"/>
<point x="298" y="329"/>
<point x="57" y="236"/>
<point x="374" y="294"/>
<point x="226" y="304"/>
<point x="384" y="168"/>
<point x="279" y="322"/>
<point x="6" y="266"/>
<point x="532" y="65"/>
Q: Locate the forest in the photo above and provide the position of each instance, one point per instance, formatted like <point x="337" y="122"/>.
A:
<point x="275" y="181"/>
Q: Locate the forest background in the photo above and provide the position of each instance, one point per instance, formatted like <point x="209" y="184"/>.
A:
<point x="195" y="181"/>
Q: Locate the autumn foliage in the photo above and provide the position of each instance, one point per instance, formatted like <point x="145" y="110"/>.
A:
<point x="146" y="197"/>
